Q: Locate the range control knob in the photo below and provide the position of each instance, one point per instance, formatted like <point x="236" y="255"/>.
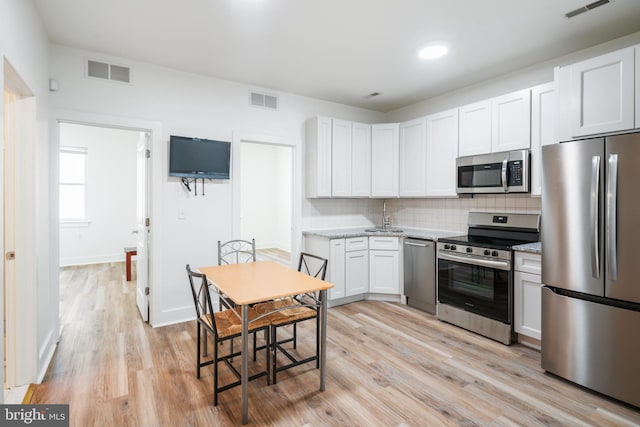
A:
<point x="469" y="250"/>
<point x="487" y="252"/>
<point x="494" y="253"/>
<point x="453" y="247"/>
<point x="447" y="246"/>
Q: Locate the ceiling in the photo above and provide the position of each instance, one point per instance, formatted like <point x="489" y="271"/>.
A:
<point x="338" y="50"/>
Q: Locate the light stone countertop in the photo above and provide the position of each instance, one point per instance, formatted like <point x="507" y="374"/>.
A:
<point x="535" y="248"/>
<point x="410" y="232"/>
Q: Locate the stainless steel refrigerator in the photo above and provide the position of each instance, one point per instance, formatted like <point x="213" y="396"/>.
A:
<point x="591" y="264"/>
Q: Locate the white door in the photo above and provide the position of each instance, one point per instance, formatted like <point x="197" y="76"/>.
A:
<point x="413" y="158"/>
<point x="341" y="158"/>
<point x="475" y="129"/>
<point x="142" y="215"/>
<point x="511" y="121"/>
<point x="602" y="94"/>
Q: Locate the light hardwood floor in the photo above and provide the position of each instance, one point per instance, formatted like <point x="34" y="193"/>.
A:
<point x="387" y="365"/>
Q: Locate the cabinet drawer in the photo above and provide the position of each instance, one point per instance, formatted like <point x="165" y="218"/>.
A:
<point x="384" y="243"/>
<point x="357" y="244"/>
<point x="528" y="262"/>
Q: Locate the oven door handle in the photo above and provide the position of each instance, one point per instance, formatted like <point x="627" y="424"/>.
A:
<point x="481" y="262"/>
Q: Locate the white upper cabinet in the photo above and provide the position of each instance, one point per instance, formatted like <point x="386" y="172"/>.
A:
<point x="341" y="158"/>
<point x="511" y="121"/>
<point x="475" y="129"/>
<point x="442" y="150"/>
<point x="318" y="157"/>
<point x="413" y="158"/>
<point x="637" y="105"/>
<point x="602" y="94"/>
<point x="384" y="160"/>
<point x="361" y="160"/>
<point x="544" y="112"/>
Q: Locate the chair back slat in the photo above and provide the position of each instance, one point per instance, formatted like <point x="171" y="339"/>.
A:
<point x="312" y="265"/>
<point x="236" y="251"/>
<point x="201" y="295"/>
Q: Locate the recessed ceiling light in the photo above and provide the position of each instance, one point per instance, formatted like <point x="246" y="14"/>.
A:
<point x="433" y="51"/>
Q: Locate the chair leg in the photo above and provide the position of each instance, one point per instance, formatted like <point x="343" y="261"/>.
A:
<point x="274" y="345"/>
<point x="254" y="346"/>
<point x="295" y="335"/>
<point x="215" y="371"/>
<point x="198" y="350"/>
<point x="268" y="355"/>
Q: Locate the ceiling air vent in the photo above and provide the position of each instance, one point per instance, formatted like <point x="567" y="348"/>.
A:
<point x="586" y="8"/>
<point x="261" y="100"/>
<point x="105" y="71"/>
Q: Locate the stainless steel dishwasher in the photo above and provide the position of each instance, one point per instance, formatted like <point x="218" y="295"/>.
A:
<point x="420" y="274"/>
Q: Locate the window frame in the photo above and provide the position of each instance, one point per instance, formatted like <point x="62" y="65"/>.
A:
<point x="85" y="219"/>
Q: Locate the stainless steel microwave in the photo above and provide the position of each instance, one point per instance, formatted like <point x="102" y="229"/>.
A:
<point x="506" y="172"/>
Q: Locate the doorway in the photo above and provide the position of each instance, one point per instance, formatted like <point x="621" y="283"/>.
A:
<point x="19" y="295"/>
<point x="104" y="191"/>
<point x="264" y="196"/>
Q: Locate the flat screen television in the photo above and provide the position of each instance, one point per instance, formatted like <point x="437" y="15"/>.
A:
<point x="199" y="158"/>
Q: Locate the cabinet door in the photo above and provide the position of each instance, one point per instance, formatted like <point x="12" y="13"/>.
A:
<point x="361" y="160"/>
<point x="475" y="129"/>
<point x="384" y="160"/>
<point x="413" y="158"/>
<point x="602" y="94"/>
<point x="357" y="272"/>
<point x="341" y="158"/>
<point x="318" y="157"/>
<point x="637" y="81"/>
<point x="544" y="110"/>
<point x="527" y="305"/>
<point x="384" y="272"/>
<point x="511" y="121"/>
<point x="442" y="150"/>
<point x="337" y="249"/>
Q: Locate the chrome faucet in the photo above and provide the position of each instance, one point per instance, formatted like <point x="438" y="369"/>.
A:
<point x="386" y="220"/>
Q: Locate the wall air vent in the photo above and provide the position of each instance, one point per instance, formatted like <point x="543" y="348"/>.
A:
<point x="105" y="71"/>
<point x="261" y="100"/>
<point x="586" y="8"/>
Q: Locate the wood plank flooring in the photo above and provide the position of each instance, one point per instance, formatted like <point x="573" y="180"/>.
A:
<point x="387" y="365"/>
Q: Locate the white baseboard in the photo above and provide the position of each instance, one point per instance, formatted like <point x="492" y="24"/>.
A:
<point x="94" y="259"/>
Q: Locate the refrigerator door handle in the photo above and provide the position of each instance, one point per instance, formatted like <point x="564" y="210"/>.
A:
<point x="612" y="217"/>
<point x="504" y="174"/>
<point x="594" y="216"/>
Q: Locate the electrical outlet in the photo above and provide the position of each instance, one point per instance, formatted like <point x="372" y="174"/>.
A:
<point x="181" y="214"/>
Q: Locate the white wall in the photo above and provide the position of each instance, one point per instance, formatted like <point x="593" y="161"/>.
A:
<point x="24" y="44"/>
<point x="266" y="204"/>
<point x="190" y="105"/>
<point x="111" y="195"/>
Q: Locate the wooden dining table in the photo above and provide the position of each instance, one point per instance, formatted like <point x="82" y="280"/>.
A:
<point x="260" y="281"/>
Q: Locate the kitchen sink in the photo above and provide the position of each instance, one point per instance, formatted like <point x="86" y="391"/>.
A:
<point x="383" y="230"/>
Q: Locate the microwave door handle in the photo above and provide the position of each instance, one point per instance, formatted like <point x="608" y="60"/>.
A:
<point x="504" y="174"/>
<point x="593" y="215"/>
<point x="612" y="217"/>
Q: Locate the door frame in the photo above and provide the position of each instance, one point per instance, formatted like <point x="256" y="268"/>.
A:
<point x="296" y="185"/>
<point x="154" y="195"/>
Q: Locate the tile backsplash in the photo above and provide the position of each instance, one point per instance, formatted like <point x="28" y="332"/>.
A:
<point x="445" y="214"/>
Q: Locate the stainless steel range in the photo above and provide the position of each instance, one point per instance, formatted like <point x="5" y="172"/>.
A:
<point x="475" y="272"/>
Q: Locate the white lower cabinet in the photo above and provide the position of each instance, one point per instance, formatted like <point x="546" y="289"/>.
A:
<point x="357" y="272"/>
<point x="384" y="265"/>
<point x="336" y="269"/>
<point x="527" y="296"/>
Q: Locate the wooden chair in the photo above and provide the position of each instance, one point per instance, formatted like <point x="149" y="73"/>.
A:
<point x="291" y="311"/>
<point x="222" y="326"/>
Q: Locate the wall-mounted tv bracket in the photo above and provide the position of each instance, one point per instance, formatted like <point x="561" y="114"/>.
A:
<point x="187" y="184"/>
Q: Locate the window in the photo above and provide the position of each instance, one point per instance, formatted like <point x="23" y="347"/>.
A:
<point x="73" y="184"/>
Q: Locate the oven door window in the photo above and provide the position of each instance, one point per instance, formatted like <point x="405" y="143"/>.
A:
<point x="487" y="175"/>
<point x="481" y="290"/>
